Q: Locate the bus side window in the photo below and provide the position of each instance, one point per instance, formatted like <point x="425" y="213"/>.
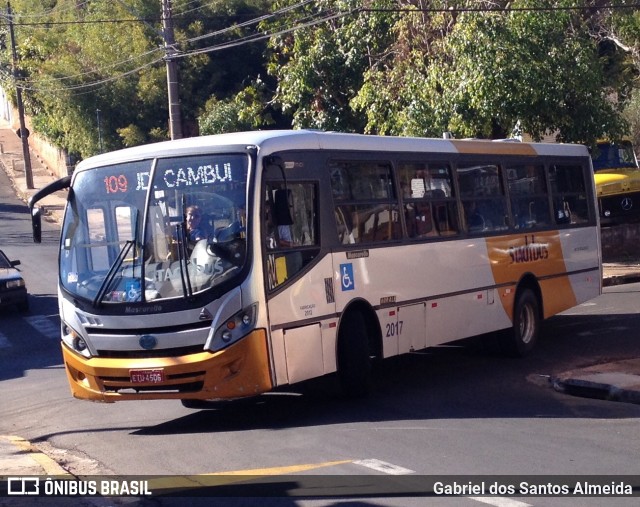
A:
<point x="568" y="190"/>
<point x="366" y="207"/>
<point x="427" y="199"/>
<point x="529" y="197"/>
<point x="483" y="199"/>
<point x="447" y="218"/>
<point x="290" y="225"/>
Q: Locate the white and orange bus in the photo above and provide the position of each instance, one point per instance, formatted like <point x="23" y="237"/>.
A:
<point x="320" y="253"/>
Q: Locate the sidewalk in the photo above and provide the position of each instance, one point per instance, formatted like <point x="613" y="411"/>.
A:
<point x="20" y="458"/>
<point x="11" y="160"/>
<point x="619" y="381"/>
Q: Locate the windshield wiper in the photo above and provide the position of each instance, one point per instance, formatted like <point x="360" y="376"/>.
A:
<point x="185" y="278"/>
<point x="112" y="272"/>
<point x="183" y="241"/>
<point x="122" y="255"/>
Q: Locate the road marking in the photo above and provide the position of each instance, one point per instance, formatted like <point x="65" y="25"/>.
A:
<point x="231" y="477"/>
<point x="44" y="326"/>
<point x="283" y="470"/>
<point x="384" y="467"/>
<point x="499" y="502"/>
<point x="4" y="342"/>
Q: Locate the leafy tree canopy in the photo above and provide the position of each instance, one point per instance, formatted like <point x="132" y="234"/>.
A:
<point x="418" y="67"/>
<point x="94" y="76"/>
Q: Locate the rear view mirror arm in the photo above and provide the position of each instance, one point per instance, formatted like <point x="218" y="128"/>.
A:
<point x="36" y="214"/>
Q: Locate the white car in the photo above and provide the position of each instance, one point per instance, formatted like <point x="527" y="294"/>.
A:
<point x="13" y="290"/>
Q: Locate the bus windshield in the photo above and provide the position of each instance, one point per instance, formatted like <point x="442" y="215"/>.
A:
<point x="152" y="230"/>
<point x="614" y="156"/>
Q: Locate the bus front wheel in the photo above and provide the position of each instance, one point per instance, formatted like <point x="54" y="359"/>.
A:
<point x="522" y="337"/>
<point x="354" y="361"/>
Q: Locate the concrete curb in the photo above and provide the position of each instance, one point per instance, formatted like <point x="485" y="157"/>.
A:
<point x="596" y="390"/>
<point x="614" y="381"/>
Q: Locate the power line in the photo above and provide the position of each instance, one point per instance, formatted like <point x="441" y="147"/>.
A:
<point x="35" y="86"/>
<point x="254" y="21"/>
<point x="454" y="10"/>
<point x="49" y="23"/>
<point x="86" y="22"/>
<point x="55" y="10"/>
<point x="101" y="69"/>
<point x="94" y="84"/>
<point x="263" y="35"/>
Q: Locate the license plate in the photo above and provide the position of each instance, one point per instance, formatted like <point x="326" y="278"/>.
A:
<point x="146" y="376"/>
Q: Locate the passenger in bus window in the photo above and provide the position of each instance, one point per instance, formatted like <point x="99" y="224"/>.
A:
<point x="475" y="221"/>
<point x="419" y="220"/>
<point x="278" y="236"/>
<point x="193" y="217"/>
<point x="284" y="236"/>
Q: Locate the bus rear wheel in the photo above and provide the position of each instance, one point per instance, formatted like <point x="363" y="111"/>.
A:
<point x="354" y="361"/>
<point x="523" y="336"/>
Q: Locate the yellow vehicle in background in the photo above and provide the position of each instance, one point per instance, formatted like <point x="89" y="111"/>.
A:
<point x="617" y="179"/>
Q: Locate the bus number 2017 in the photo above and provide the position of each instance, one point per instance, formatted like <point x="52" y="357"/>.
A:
<point x="394" y="329"/>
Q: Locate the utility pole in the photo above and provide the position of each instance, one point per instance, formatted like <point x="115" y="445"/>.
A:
<point x="23" y="132"/>
<point x="99" y="130"/>
<point x="175" y="117"/>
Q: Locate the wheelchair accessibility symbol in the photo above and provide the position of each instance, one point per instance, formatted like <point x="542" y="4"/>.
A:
<point x="346" y="277"/>
<point x="133" y="291"/>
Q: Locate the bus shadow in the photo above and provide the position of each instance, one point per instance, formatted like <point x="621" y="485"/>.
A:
<point x="465" y="382"/>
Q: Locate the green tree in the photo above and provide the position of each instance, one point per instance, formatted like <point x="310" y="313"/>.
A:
<point x="540" y="68"/>
<point x="249" y="109"/>
<point x="494" y="68"/>
<point x="81" y="70"/>
<point x="622" y="30"/>
<point x="320" y="69"/>
<point x="402" y="67"/>
<point x="420" y="67"/>
<point x="98" y="59"/>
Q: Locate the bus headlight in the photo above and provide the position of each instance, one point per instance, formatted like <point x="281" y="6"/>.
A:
<point x="241" y="324"/>
<point x="74" y="340"/>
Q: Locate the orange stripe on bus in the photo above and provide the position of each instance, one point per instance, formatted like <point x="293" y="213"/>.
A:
<point x="492" y="148"/>
<point x="539" y="253"/>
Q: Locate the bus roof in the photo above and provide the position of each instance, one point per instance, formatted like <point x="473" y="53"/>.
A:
<point x="273" y="141"/>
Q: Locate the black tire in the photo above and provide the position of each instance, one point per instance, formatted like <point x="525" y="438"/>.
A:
<point x="354" y="361"/>
<point x="521" y="339"/>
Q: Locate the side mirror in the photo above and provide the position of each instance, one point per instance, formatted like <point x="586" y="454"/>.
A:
<point x="36" y="213"/>
<point x="36" y="224"/>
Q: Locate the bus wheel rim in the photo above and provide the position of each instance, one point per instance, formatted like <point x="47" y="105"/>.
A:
<point x="527" y="328"/>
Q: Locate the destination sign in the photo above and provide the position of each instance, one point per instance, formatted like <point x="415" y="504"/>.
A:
<point x="176" y="177"/>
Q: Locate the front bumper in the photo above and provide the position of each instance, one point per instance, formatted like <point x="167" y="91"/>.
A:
<point x="238" y="371"/>
<point x="620" y="208"/>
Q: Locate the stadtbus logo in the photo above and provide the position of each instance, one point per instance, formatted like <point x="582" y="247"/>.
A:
<point x="531" y="251"/>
